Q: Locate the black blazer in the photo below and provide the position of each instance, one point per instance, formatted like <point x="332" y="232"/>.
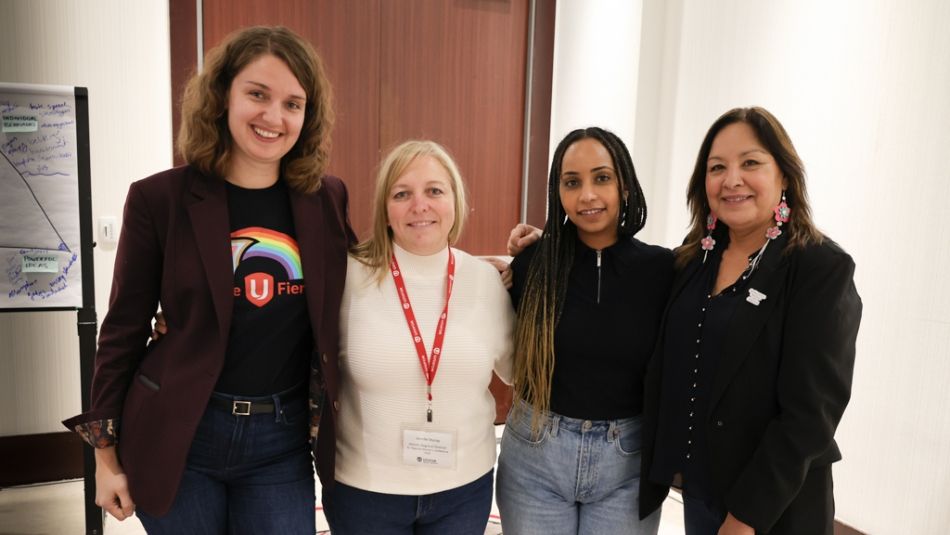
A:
<point x="174" y="250"/>
<point x="782" y="384"/>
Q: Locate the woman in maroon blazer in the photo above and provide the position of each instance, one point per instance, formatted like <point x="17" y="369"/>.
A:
<point x="753" y="367"/>
<point x="208" y="429"/>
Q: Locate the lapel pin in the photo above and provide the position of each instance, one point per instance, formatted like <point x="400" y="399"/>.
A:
<point x="755" y="296"/>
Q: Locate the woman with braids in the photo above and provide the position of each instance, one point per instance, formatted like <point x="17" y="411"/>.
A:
<point x="589" y="298"/>
<point x="207" y="430"/>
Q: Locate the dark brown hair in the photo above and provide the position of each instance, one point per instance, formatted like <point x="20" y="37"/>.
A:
<point x="772" y="135"/>
<point x="204" y="140"/>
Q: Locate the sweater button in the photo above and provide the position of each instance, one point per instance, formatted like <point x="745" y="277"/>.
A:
<point x="336" y="406"/>
<point x="324" y="357"/>
<point x="719" y="423"/>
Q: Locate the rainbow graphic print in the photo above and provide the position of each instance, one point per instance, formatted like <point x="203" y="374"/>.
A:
<point x="260" y="242"/>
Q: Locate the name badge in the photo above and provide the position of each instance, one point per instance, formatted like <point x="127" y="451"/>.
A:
<point x="427" y="446"/>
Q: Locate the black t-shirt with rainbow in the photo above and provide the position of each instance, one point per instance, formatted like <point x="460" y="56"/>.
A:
<point x="270" y="341"/>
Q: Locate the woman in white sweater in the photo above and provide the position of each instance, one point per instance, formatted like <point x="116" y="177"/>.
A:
<point x="423" y="326"/>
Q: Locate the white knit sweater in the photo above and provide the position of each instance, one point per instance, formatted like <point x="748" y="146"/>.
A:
<point x="382" y="385"/>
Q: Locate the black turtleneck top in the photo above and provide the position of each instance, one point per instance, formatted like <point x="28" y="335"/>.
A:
<point x="608" y="327"/>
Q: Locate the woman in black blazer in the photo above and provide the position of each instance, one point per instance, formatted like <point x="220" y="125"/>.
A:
<point x="753" y="369"/>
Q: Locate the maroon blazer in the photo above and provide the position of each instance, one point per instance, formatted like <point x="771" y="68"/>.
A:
<point x="174" y="250"/>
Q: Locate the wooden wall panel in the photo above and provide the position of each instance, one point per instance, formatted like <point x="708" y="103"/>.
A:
<point x="348" y="42"/>
<point x="183" y="39"/>
<point x="455" y="72"/>
<point x="34" y="458"/>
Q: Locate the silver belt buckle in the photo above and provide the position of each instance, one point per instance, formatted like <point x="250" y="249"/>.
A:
<point x="241" y="408"/>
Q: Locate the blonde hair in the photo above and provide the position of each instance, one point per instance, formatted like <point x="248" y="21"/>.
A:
<point x="204" y="139"/>
<point x="376" y="251"/>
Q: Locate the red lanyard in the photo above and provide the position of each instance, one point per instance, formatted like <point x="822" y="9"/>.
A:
<point x="430" y="365"/>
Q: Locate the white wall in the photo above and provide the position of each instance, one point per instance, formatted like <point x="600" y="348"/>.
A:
<point x="864" y="90"/>
<point x="590" y="85"/>
<point x="119" y="50"/>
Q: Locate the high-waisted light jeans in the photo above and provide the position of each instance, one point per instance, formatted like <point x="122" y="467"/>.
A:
<point x="573" y="477"/>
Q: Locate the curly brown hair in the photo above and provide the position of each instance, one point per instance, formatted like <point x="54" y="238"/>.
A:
<point x="204" y="140"/>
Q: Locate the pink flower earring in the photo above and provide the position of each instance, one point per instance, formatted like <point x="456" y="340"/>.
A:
<point x="708" y="242"/>
<point x="782" y="211"/>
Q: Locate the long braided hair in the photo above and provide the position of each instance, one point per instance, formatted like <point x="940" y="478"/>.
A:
<point x="545" y="289"/>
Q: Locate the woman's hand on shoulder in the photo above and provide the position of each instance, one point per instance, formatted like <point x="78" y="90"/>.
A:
<point x="521" y="237"/>
<point x="504" y="269"/>
<point x="112" y="487"/>
<point x="159" y="328"/>
<point x="734" y="526"/>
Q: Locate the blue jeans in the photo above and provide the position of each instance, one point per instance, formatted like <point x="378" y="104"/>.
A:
<point x="460" y="511"/>
<point x="245" y="475"/>
<point x="574" y="477"/>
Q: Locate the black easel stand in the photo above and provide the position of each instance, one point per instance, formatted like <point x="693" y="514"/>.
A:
<point x="87" y="323"/>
